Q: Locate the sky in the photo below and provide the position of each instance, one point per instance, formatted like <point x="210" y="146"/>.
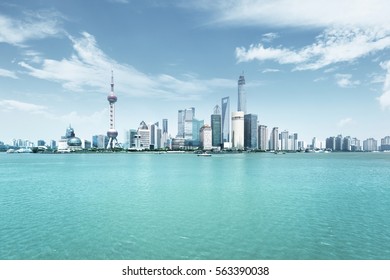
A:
<point x="316" y="68"/>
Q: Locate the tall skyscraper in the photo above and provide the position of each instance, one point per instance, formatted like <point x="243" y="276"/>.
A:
<point x="241" y="95"/>
<point x="112" y="133"/>
<point x="238" y="130"/>
<point x="180" y="124"/>
<point x="216" y="127"/>
<point x="250" y="131"/>
<point x="284" y="140"/>
<point x="274" y="139"/>
<point x="165" y="133"/>
<point x="225" y="119"/>
<point x="206" y="137"/>
<point x="262" y="137"/>
<point x="189" y="116"/>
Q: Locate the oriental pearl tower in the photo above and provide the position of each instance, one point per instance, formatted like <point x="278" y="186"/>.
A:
<point x="112" y="133"/>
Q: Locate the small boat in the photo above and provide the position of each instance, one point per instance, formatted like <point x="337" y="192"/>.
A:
<point x="204" y="155"/>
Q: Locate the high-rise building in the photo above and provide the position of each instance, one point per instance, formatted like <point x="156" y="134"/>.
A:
<point x="274" y="139"/>
<point x="262" y="137"/>
<point x="189" y="116"/>
<point x="41" y="143"/>
<point x="355" y="145"/>
<point x="206" y="137"/>
<point x="250" y="131"/>
<point x="165" y="133"/>
<point x="385" y="143"/>
<point x="180" y="124"/>
<point x="225" y="119"/>
<point x="347" y="144"/>
<point x="238" y="130"/>
<point x="331" y="143"/>
<point x="339" y="143"/>
<point x="284" y="140"/>
<point x="144" y="133"/>
<point x="216" y="127"/>
<point x="99" y="141"/>
<point x="370" y="145"/>
<point x="159" y="138"/>
<point x="241" y="95"/>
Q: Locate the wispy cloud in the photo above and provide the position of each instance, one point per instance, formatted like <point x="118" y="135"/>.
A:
<point x="9" y="105"/>
<point x="7" y="73"/>
<point x="297" y="13"/>
<point x="331" y="47"/>
<point x="88" y="69"/>
<point x="269" y="37"/>
<point x="34" y="25"/>
<point x="270" y="70"/>
<point x="345" y="81"/>
<point x="345" y="122"/>
<point x="384" y="99"/>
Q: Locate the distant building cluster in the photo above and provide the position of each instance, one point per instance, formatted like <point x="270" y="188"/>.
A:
<point x="237" y="130"/>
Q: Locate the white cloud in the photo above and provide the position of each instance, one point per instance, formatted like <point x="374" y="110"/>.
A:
<point x="270" y="70"/>
<point x="269" y="37"/>
<point x="22" y="106"/>
<point x="35" y="25"/>
<point x="345" y="122"/>
<point x="297" y="13"/>
<point x="332" y="46"/>
<point x="89" y="69"/>
<point x="8" y="74"/>
<point x="384" y="99"/>
<point x="345" y="81"/>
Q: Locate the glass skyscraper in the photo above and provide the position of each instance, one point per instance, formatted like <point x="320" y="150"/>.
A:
<point x="250" y="131"/>
<point x="226" y="119"/>
<point x="241" y="95"/>
<point x="216" y="127"/>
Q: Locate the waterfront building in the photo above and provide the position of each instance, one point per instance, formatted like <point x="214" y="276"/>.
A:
<point x="241" y="104"/>
<point x="301" y="145"/>
<point x="159" y="137"/>
<point x="53" y="144"/>
<point x="144" y="135"/>
<point x="274" y="139"/>
<point x="41" y="143"/>
<point x="178" y="143"/>
<point x="385" y="144"/>
<point x="347" y="144"/>
<point x="225" y="102"/>
<point x="355" y="145"/>
<point x="206" y="137"/>
<point x="314" y="144"/>
<point x="294" y="142"/>
<point x="250" y="131"/>
<point x="216" y="127"/>
<point x="112" y="133"/>
<point x="194" y="141"/>
<point x="262" y="137"/>
<point x="283" y="136"/>
<point x="238" y="130"/>
<point x="180" y="124"/>
<point x="189" y="116"/>
<point x="370" y="145"/>
<point x="99" y="141"/>
<point x="339" y="143"/>
<point x="86" y="144"/>
<point x="330" y="143"/>
<point x="153" y="135"/>
<point x="69" y="142"/>
<point x="165" y="133"/>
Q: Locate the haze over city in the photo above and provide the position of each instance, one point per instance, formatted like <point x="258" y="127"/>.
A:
<point x="315" y="68"/>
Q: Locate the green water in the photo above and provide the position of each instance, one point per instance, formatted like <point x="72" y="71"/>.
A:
<point x="180" y="206"/>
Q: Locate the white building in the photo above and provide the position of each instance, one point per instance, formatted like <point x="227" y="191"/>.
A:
<point x="238" y="130"/>
<point x="206" y="137"/>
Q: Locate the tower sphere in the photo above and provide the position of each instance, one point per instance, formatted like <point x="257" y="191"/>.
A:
<point x="112" y="133"/>
<point x="112" y="98"/>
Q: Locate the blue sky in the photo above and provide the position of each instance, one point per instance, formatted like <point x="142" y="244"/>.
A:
<point x="318" y="68"/>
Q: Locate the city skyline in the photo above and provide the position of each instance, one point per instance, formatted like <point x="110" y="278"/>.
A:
<point x="321" y="71"/>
